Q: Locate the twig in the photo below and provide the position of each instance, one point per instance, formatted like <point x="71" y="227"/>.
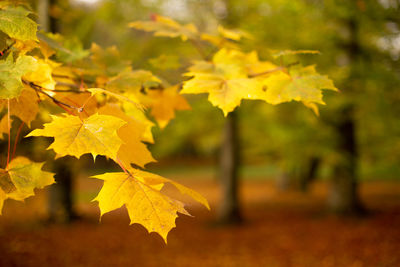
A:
<point x="6" y="49"/>
<point x="16" y="139"/>
<point x="199" y="48"/>
<point x="9" y="132"/>
<point x="40" y="89"/>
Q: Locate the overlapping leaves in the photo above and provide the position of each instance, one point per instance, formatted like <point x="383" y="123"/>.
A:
<point x="232" y="76"/>
<point x="101" y="102"/>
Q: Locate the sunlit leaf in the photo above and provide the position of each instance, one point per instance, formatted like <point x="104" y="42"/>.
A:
<point x="96" y="135"/>
<point x="140" y="192"/>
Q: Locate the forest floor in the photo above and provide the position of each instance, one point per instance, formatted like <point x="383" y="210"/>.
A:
<point x="281" y="229"/>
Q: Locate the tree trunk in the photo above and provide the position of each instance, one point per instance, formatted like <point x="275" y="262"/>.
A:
<point x="344" y="197"/>
<point x="229" y="211"/>
<point x="310" y="174"/>
<point x="60" y="193"/>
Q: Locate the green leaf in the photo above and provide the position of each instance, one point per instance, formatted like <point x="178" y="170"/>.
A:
<point x="11" y="73"/>
<point x="16" y="24"/>
<point x="20" y="179"/>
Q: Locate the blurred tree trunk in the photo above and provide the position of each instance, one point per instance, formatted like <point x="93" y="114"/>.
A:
<point x="310" y="173"/>
<point x="60" y="193"/>
<point x="229" y="211"/>
<point x="299" y="176"/>
<point x="344" y="196"/>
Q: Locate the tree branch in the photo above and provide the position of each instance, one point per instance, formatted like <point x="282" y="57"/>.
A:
<point x="41" y="90"/>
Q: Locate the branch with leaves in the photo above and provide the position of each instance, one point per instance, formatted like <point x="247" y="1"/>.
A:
<point x="104" y="103"/>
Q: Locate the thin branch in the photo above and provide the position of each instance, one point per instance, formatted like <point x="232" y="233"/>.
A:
<point x="16" y="139"/>
<point x="199" y="48"/>
<point x="40" y="89"/>
<point x="5" y="50"/>
<point x="68" y="85"/>
<point x="9" y="132"/>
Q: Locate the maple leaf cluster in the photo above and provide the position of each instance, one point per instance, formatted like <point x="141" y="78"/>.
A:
<point x="101" y="106"/>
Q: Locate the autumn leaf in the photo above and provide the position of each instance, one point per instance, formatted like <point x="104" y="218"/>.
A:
<point x="24" y="107"/>
<point x="164" y="102"/>
<point x="96" y="135"/>
<point x="20" y="178"/>
<point x="140" y="192"/>
<point x="133" y="111"/>
<point x="233" y="34"/>
<point x="159" y="181"/>
<point x="133" y="150"/>
<point x="131" y="82"/>
<point x="300" y="84"/>
<point x="163" y="26"/>
<point x="67" y="49"/>
<point x="4" y="125"/>
<point x="108" y="59"/>
<point x="16" y="23"/>
<point x="11" y="73"/>
<point x="41" y="75"/>
<point x="132" y="99"/>
<point x="225" y="80"/>
<point x="165" y="62"/>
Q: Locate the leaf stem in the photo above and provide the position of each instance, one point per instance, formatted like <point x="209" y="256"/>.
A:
<point x="9" y="132"/>
<point x="16" y="140"/>
<point x="122" y="166"/>
<point x="273" y="70"/>
<point x="266" y="72"/>
<point x="196" y="44"/>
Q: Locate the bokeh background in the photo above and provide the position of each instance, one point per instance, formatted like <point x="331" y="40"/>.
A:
<point x="293" y="164"/>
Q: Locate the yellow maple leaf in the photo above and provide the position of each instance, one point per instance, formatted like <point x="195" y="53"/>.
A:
<point x="25" y="46"/>
<point x="163" y="26"/>
<point x="133" y="111"/>
<point x="140" y="192"/>
<point x="131" y="99"/>
<point x="225" y="79"/>
<point x="164" y="102"/>
<point x="233" y="34"/>
<point x="300" y="84"/>
<point x="42" y="75"/>
<point x="25" y="106"/>
<point x="133" y="150"/>
<point x="20" y="179"/>
<point x="4" y="124"/>
<point x="96" y="135"/>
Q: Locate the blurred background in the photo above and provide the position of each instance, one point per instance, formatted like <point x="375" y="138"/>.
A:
<point x="304" y="190"/>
